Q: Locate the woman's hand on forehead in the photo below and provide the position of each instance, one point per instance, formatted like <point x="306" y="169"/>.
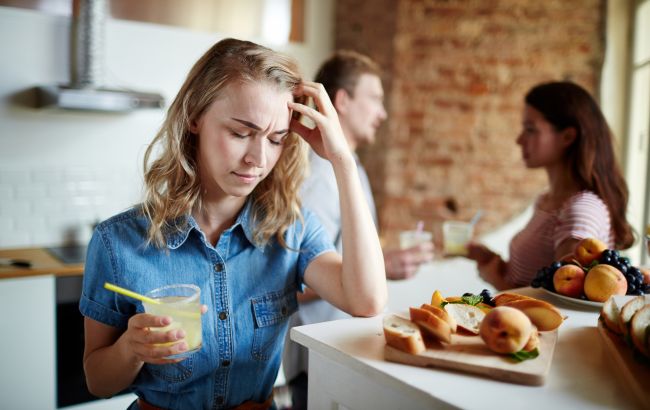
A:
<point x="327" y="138"/>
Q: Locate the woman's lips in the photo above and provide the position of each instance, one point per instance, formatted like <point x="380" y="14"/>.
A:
<point x="246" y="178"/>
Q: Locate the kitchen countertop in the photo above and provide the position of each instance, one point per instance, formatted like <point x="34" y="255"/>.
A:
<point x="43" y="263"/>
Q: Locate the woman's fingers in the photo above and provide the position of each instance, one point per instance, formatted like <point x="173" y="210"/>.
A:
<point x="319" y="94"/>
<point x="309" y="112"/>
<point x="151" y="345"/>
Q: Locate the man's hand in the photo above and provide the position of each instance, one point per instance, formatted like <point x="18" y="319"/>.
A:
<point x="404" y="263"/>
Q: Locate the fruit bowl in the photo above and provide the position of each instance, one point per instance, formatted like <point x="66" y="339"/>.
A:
<point x="575" y="301"/>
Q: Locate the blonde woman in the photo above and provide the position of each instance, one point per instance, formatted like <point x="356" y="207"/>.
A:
<point x="221" y="211"/>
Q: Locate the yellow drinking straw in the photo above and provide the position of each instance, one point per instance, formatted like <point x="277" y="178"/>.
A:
<point x="130" y="293"/>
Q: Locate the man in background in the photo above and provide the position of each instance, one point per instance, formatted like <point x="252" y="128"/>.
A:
<point x="353" y="83"/>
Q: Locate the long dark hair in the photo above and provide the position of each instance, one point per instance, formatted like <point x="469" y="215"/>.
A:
<point x="591" y="157"/>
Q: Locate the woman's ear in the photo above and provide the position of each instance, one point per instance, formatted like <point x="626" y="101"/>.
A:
<point x="194" y="127"/>
<point x="568" y="136"/>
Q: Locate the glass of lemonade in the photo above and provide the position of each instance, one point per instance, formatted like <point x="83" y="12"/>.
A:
<point x="456" y="235"/>
<point x="183" y="304"/>
<point x="409" y="239"/>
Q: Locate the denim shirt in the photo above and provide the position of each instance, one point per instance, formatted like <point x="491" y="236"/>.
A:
<point x="250" y="292"/>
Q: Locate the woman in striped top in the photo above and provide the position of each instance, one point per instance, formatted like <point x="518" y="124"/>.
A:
<point x="565" y="133"/>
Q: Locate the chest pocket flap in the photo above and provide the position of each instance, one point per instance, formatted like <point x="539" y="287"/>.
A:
<point x="274" y="307"/>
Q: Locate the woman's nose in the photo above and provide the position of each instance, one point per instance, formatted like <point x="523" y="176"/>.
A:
<point x="255" y="154"/>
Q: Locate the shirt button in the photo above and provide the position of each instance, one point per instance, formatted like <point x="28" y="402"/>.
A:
<point x="219" y="400"/>
<point x="225" y="363"/>
<point x="218" y="267"/>
<point x="223" y="315"/>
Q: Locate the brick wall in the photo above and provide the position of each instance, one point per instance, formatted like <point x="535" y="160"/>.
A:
<point x="455" y="76"/>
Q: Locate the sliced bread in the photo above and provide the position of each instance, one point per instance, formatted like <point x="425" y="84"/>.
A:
<point x="403" y="334"/>
<point x="431" y="324"/>
<point x="610" y="314"/>
<point x="467" y="317"/>
<point x="628" y="310"/>
<point x="543" y="315"/>
<point x="640" y="330"/>
<point x="442" y="314"/>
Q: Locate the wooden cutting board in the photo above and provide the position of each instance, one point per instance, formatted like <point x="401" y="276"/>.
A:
<point x="634" y="374"/>
<point x="470" y="354"/>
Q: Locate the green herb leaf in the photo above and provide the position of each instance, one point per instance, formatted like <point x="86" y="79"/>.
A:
<point x="522" y="355"/>
<point x="472" y="299"/>
<point x="465" y="300"/>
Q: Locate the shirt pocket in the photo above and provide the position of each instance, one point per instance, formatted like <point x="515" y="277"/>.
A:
<point x="272" y="312"/>
<point x="172" y="372"/>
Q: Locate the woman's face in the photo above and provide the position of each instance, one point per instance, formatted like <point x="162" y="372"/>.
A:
<point x="541" y="145"/>
<point x="240" y="137"/>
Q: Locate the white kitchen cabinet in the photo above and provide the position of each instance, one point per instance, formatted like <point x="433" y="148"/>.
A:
<point x="27" y="344"/>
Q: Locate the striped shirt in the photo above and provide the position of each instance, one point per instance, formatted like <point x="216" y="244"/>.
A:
<point x="584" y="215"/>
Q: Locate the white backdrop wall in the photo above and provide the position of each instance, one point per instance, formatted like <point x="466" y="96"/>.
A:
<point x="60" y="171"/>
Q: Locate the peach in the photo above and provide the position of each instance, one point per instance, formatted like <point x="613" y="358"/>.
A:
<point x="569" y="280"/>
<point x="588" y="250"/>
<point x="603" y="281"/>
<point x="506" y="330"/>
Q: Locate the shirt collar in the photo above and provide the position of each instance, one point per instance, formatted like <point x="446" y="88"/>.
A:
<point x="187" y="223"/>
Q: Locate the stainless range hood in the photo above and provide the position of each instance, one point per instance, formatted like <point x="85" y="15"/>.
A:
<point x="86" y="90"/>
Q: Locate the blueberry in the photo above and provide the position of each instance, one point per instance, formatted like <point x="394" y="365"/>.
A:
<point x="606" y="259"/>
<point x="638" y="292"/>
<point x="556" y="265"/>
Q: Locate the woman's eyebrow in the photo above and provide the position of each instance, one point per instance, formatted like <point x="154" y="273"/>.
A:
<point x="257" y="127"/>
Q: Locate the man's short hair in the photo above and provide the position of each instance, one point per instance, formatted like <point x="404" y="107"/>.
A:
<point x="342" y="71"/>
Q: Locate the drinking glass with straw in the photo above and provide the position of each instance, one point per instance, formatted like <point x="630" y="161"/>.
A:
<point x="409" y="239"/>
<point x="180" y="302"/>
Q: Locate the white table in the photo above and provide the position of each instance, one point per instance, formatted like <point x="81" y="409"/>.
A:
<point x="347" y="369"/>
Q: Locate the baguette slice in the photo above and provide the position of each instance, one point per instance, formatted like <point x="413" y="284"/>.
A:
<point x="507" y="297"/>
<point x="403" y="334"/>
<point x="467" y="317"/>
<point x="543" y="315"/>
<point x="431" y="324"/>
<point x="442" y="314"/>
<point x="628" y="310"/>
<point x="610" y="313"/>
<point x="640" y="330"/>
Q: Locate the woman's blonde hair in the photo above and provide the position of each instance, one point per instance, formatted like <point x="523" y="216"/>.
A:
<point x="172" y="182"/>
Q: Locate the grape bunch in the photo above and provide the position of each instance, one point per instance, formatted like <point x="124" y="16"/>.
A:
<point x="544" y="276"/>
<point x="632" y="274"/>
<point x="487" y="297"/>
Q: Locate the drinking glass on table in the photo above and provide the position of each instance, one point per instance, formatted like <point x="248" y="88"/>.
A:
<point x="183" y="304"/>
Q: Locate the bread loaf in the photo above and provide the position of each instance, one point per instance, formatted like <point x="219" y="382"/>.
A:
<point x="403" y="334"/>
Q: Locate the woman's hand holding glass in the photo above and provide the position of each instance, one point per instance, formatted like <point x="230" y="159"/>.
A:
<point x="149" y="346"/>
